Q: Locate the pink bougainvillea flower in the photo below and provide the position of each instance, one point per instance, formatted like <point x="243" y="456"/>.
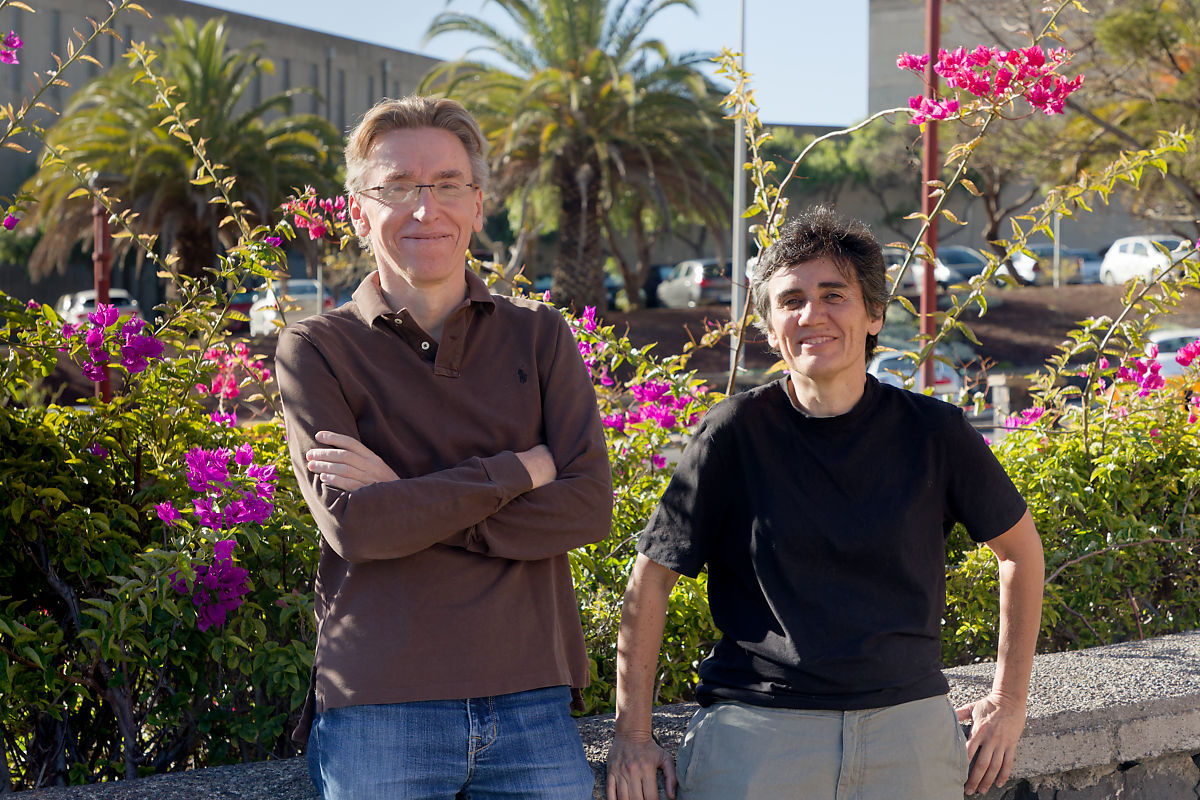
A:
<point x="104" y="315"/>
<point x="243" y="455"/>
<point x="222" y="419"/>
<point x="218" y="589"/>
<point x="996" y="77"/>
<point x="912" y="63"/>
<point x="1025" y="418"/>
<point x="207" y="469"/>
<point x="614" y="421"/>
<point x="589" y="318"/>
<point x="167" y="513"/>
<point x="98" y="450"/>
<point x="8" y="57"/>
<point x="274" y="241"/>
<point x="13" y="41"/>
<point x="10" y="221"/>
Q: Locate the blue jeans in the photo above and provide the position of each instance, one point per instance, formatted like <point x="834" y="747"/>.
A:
<point x="522" y="745"/>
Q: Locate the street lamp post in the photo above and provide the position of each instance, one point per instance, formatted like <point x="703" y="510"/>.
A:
<point x="737" y="301"/>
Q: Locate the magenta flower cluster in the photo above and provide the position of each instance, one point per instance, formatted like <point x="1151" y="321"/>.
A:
<point x="208" y="476"/>
<point x="656" y="402"/>
<point x="130" y="341"/>
<point x="317" y="215"/>
<point x="590" y="348"/>
<point x="10" y="221"/>
<point x="1146" y="373"/>
<point x="1025" y="418"/>
<point x="1187" y="354"/>
<point x="218" y="588"/>
<point x="229" y="364"/>
<point x="996" y="76"/>
<point x="8" y="50"/>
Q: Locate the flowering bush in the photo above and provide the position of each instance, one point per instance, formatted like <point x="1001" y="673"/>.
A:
<point x="995" y="76"/>
<point x="157" y="558"/>
<point x="648" y="406"/>
<point x="156" y="611"/>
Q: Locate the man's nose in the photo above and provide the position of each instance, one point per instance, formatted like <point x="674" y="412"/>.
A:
<point x="810" y="312"/>
<point x="424" y="206"/>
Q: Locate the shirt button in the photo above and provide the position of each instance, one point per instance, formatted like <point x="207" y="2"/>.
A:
<point x="424" y="345"/>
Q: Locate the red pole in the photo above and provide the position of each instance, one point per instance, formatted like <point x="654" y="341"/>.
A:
<point x="101" y="275"/>
<point x="929" y="172"/>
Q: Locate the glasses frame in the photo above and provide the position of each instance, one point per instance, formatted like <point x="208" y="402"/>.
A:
<point x="432" y="187"/>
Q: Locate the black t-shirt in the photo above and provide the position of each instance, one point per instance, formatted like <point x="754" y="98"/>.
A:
<point x="825" y="542"/>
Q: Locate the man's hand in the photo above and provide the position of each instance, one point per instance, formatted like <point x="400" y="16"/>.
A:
<point x="996" y="725"/>
<point x="633" y="765"/>
<point x="539" y="463"/>
<point x="347" y="463"/>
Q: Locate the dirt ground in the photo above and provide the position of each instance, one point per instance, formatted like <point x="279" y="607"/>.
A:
<point x="1022" y="328"/>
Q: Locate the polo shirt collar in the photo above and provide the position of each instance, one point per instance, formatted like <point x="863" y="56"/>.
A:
<point x="447" y="355"/>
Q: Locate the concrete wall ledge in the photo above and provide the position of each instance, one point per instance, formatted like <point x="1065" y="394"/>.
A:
<point x="1121" y="721"/>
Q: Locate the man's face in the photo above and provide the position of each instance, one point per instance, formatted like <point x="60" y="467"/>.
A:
<point x="819" y="323"/>
<point x="423" y="242"/>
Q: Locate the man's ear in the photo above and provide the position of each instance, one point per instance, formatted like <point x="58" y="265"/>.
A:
<point x="362" y="226"/>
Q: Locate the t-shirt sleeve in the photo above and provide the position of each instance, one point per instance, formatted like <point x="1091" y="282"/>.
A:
<point x="980" y="494"/>
<point x="684" y="528"/>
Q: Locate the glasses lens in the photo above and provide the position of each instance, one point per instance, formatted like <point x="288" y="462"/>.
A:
<point x="402" y="193"/>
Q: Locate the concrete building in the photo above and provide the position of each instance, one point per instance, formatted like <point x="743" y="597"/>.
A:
<point x="349" y="76"/>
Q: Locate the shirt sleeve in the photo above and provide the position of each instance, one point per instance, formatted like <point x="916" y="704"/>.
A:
<point x="426" y="510"/>
<point x="980" y="494"/>
<point x="684" y="529"/>
<point x="576" y="507"/>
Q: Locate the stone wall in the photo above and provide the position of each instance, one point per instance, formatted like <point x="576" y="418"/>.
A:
<point x="1111" y="722"/>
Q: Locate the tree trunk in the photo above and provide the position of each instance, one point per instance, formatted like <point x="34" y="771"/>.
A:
<point x="578" y="274"/>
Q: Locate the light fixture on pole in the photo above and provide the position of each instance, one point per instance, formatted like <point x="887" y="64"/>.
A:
<point x="737" y="297"/>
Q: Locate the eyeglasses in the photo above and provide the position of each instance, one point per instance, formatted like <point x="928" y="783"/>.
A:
<point x="404" y="193"/>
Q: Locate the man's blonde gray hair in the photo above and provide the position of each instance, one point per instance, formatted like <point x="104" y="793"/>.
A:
<point x="414" y="111"/>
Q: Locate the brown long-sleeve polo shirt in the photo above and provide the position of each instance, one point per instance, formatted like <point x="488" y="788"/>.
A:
<point x="452" y="581"/>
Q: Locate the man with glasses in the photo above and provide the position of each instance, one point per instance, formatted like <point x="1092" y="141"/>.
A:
<point x="448" y="444"/>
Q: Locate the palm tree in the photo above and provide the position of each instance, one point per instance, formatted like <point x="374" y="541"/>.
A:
<point x="592" y="110"/>
<point x="113" y="127"/>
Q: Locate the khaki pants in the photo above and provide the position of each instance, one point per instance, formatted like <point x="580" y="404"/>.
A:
<point x="913" y="751"/>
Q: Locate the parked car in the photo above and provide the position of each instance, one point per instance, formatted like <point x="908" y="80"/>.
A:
<point x="695" y="282"/>
<point x="1170" y="341"/>
<point x="1137" y="257"/>
<point x="893" y="367"/>
<point x="1076" y="265"/>
<point x="298" y="297"/>
<point x="966" y="261"/>
<point x="914" y="276"/>
<point x="74" y="308"/>
<point x="658" y="273"/>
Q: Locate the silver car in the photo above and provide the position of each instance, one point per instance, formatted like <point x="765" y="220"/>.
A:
<point x="696" y="282"/>
<point x="74" y="308"/>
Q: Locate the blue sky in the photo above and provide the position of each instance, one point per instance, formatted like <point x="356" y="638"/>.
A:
<point x="808" y="57"/>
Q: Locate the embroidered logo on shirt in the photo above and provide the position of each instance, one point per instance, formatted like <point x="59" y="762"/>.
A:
<point x="521" y="376"/>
